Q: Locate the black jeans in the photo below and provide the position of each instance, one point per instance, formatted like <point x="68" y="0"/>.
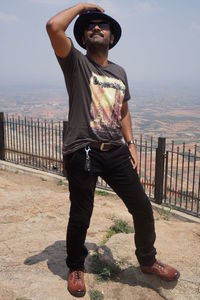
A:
<point x="115" y="167"/>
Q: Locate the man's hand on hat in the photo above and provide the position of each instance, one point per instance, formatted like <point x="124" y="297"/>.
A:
<point x="84" y="6"/>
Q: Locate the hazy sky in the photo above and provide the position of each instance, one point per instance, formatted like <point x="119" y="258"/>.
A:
<point x="160" y="41"/>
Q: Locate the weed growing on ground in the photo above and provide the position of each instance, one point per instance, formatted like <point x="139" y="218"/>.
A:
<point x="164" y="212"/>
<point x="101" y="193"/>
<point x="119" y="226"/>
<point x="103" y="271"/>
<point x="96" y="295"/>
<point x="59" y="182"/>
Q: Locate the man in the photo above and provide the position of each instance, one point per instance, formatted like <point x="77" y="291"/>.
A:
<point x="98" y="119"/>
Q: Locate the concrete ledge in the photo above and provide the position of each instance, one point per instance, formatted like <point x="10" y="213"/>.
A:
<point x="176" y="213"/>
<point x="11" y="167"/>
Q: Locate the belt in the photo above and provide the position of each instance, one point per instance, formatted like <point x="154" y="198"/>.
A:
<point x="102" y="146"/>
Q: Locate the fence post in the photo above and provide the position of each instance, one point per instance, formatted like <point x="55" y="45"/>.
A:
<point x="159" y="170"/>
<point x="2" y="139"/>
<point x="65" y="124"/>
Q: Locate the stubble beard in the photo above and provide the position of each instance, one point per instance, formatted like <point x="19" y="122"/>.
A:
<point x="100" y="45"/>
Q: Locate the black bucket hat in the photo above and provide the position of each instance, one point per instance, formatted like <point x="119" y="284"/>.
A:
<point x="87" y="16"/>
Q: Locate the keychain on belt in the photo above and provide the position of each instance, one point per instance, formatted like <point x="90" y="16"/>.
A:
<point x="87" y="159"/>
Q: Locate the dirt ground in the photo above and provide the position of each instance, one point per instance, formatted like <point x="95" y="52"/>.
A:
<point x="33" y="216"/>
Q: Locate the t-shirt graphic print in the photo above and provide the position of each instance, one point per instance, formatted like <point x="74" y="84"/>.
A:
<point x="107" y="98"/>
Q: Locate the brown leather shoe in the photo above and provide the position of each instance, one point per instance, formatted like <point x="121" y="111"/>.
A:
<point x="76" y="284"/>
<point x="163" y="271"/>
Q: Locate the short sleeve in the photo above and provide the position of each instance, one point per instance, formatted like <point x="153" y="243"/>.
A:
<point x="69" y="63"/>
<point x="127" y="93"/>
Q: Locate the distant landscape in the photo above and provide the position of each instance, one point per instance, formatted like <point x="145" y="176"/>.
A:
<point x="173" y="114"/>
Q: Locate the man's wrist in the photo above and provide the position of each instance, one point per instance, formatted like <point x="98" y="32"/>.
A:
<point x="130" y="142"/>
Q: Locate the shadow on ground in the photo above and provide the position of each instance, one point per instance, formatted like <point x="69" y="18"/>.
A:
<point x="55" y="256"/>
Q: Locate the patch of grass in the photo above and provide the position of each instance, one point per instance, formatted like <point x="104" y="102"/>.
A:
<point x="101" y="193"/>
<point x="165" y="212"/>
<point x="103" y="271"/>
<point x="59" y="182"/>
<point x="16" y="172"/>
<point x="119" y="226"/>
<point x="96" y="295"/>
<point x="22" y="298"/>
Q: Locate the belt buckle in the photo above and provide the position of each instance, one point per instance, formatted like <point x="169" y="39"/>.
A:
<point x="103" y="145"/>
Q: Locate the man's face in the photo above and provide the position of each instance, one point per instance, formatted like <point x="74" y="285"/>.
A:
<point x="97" y="33"/>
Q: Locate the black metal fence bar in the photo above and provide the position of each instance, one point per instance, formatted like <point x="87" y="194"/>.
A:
<point x="170" y="177"/>
<point x="150" y="166"/>
<point x="176" y="176"/>
<point x="2" y="137"/>
<point x="159" y="169"/>
<point x="194" y="175"/>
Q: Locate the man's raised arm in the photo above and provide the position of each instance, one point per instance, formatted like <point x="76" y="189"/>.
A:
<point x="58" y="24"/>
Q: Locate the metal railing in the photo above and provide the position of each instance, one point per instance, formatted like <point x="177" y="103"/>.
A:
<point x="37" y="144"/>
<point x="182" y="179"/>
<point x="168" y="176"/>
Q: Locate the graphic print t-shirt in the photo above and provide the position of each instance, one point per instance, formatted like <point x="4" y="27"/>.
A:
<point x="96" y="95"/>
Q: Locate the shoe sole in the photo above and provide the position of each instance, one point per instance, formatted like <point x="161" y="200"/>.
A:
<point x="77" y="294"/>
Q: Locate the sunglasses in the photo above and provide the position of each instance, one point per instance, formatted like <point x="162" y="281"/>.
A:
<point x="101" y="25"/>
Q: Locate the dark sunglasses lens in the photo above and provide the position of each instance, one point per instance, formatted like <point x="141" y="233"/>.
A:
<point x="90" y="26"/>
<point x="102" y="25"/>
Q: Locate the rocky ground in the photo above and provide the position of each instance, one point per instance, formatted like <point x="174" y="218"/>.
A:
<point x="33" y="216"/>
